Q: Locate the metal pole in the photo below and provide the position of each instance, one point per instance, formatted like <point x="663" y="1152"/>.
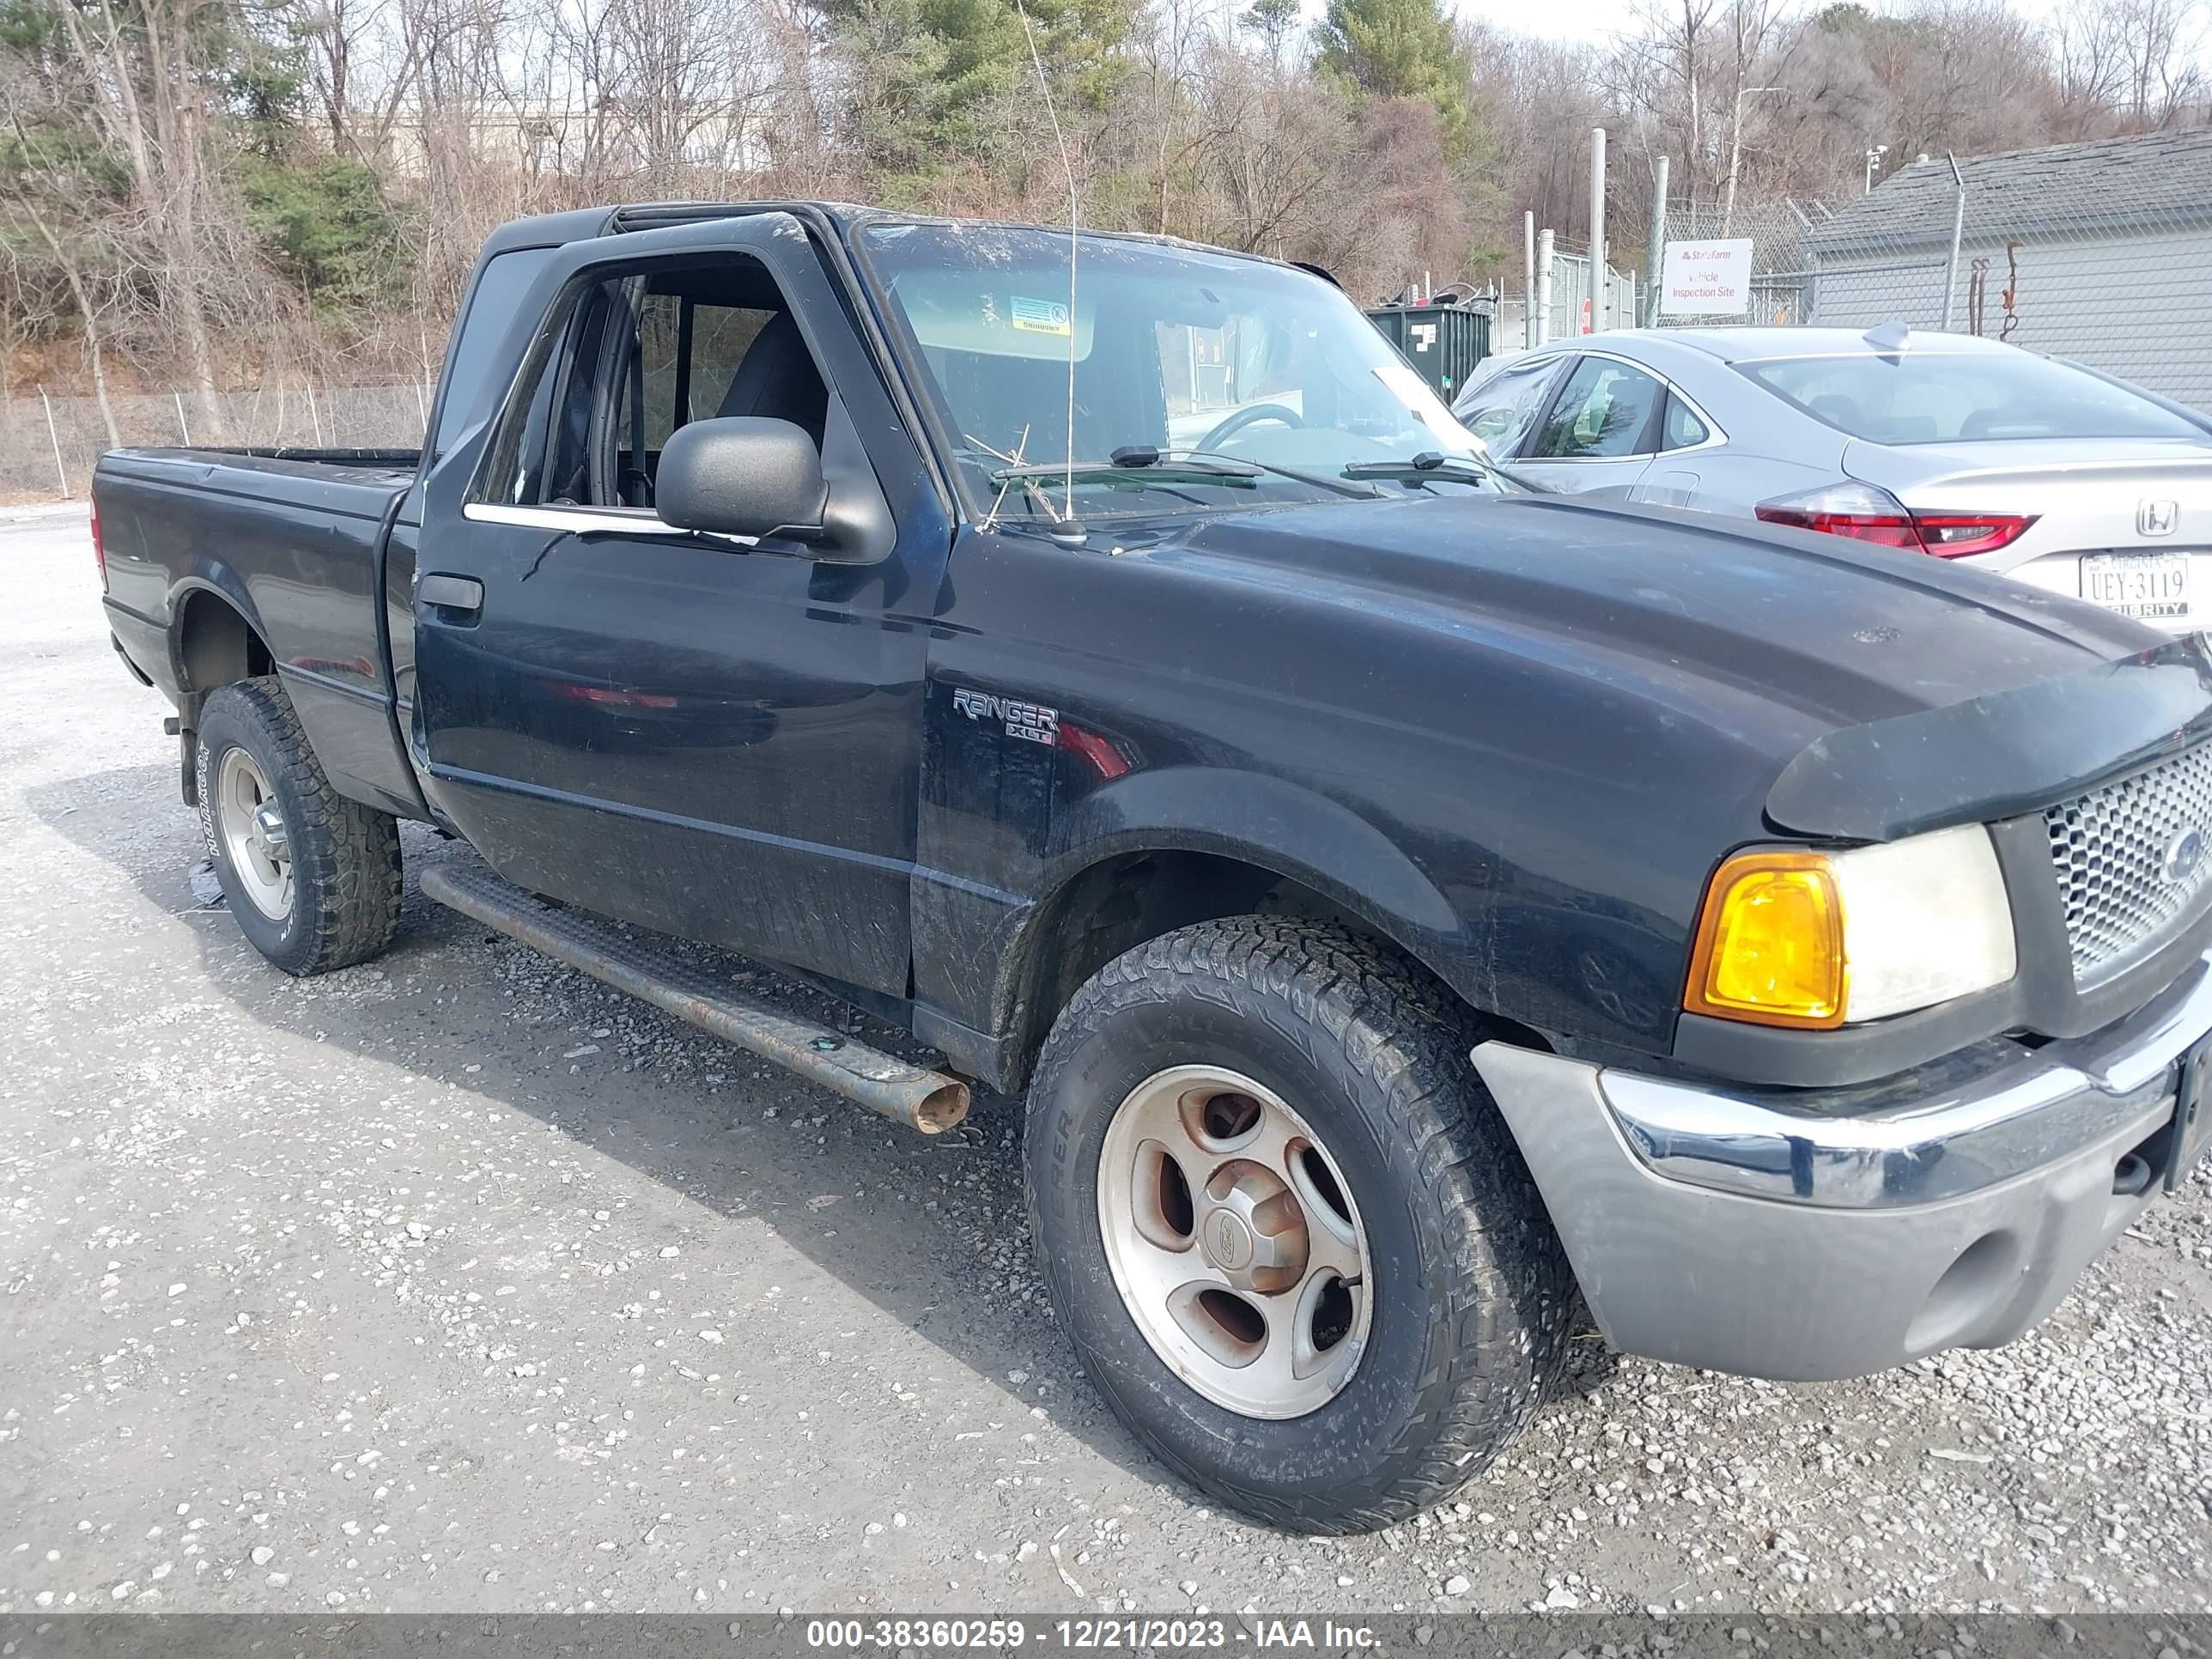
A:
<point x="60" y="472"/>
<point x="181" y="427"/>
<point x="1598" y="296"/>
<point x="1658" y="243"/>
<point x="1958" y="230"/>
<point x="1544" y="288"/>
<point x="1528" y="278"/>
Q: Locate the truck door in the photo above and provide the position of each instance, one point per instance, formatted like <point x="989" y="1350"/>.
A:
<point x="669" y="727"/>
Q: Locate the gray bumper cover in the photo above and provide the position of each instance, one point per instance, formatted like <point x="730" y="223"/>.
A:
<point x="1748" y="1232"/>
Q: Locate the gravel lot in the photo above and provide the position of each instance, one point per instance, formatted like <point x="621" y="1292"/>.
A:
<point x="458" y="1283"/>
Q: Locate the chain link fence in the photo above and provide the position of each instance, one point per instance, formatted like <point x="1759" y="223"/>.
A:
<point x="1782" y="274"/>
<point x="2098" y="251"/>
<point x="48" y="444"/>
<point x="1564" y="307"/>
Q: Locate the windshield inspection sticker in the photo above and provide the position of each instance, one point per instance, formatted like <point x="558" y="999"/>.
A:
<point x="1039" y="316"/>
<point x="1032" y="722"/>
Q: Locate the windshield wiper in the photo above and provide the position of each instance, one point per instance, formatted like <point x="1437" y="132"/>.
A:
<point x="1148" y="463"/>
<point x="1134" y="465"/>
<point x="1428" y="464"/>
<point x="1316" y="479"/>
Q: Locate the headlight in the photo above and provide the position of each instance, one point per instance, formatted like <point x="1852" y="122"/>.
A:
<point x="1823" y="939"/>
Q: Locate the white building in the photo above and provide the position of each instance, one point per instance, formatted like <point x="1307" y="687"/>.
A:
<point x="2100" y="252"/>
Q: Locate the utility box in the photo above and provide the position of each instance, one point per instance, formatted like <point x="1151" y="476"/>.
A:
<point x="1443" y="343"/>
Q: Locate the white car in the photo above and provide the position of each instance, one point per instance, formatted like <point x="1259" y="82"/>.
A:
<point x="1943" y="444"/>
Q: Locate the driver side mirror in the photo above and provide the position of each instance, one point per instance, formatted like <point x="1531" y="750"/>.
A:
<point x="743" y="475"/>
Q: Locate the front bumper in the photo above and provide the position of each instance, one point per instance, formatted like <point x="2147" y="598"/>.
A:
<point x="1809" y="1236"/>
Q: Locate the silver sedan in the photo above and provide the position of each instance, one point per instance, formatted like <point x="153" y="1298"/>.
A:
<point x="1942" y="444"/>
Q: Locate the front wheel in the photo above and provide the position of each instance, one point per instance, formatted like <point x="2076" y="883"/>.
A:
<point x="312" y="877"/>
<point x="1291" y="1238"/>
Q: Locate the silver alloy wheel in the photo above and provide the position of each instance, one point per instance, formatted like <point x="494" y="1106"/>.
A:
<point x="1233" y="1241"/>
<point x="252" y="826"/>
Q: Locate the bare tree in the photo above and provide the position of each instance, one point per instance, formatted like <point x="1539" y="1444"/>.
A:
<point x="39" y="204"/>
<point x="1665" y="75"/>
<point x="1275" y="164"/>
<point x="1531" y="92"/>
<point x="1750" y="27"/>
<point x="2140" y="62"/>
<point x="142" y="73"/>
<point x="362" y="70"/>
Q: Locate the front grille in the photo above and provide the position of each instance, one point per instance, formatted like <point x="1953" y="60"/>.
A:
<point x="2132" y="861"/>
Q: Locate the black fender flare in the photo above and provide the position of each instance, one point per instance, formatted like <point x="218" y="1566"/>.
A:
<point x="1261" y="821"/>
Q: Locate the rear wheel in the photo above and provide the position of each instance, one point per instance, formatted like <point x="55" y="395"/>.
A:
<point x="1293" y="1242"/>
<point x="312" y="877"/>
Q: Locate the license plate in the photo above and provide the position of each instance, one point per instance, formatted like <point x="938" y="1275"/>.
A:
<point x="2192" y="1115"/>
<point x="2137" y="584"/>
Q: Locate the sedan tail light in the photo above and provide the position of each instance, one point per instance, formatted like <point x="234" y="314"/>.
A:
<point x="1867" y="514"/>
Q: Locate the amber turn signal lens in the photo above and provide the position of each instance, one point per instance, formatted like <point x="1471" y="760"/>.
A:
<point x="1769" y="943"/>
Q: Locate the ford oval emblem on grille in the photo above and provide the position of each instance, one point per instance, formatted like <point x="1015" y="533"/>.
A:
<point x="2182" y="854"/>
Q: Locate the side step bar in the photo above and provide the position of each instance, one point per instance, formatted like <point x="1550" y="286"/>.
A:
<point x="928" y="1101"/>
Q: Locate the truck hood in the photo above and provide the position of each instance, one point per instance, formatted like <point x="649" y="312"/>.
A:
<point x="1825" y="659"/>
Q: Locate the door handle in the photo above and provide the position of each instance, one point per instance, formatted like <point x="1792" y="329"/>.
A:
<point x="461" y="594"/>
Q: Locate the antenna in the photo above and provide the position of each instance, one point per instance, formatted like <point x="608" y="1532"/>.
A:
<point x="1067" y="171"/>
<point x="1888" y="338"/>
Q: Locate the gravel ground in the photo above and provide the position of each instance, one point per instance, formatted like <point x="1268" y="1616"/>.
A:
<point x="458" y="1283"/>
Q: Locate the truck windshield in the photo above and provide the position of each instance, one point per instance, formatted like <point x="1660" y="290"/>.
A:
<point x="1196" y="380"/>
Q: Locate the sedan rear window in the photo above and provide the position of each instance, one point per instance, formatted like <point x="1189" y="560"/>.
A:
<point x="1938" y="398"/>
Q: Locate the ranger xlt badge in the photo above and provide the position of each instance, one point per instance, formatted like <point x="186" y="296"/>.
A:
<point x="1032" y="722"/>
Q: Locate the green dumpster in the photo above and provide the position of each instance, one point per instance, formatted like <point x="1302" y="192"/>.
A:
<point x="1443" y="343"/>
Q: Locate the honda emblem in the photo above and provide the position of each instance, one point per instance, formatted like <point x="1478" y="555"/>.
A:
<point x="2157" y="518"/>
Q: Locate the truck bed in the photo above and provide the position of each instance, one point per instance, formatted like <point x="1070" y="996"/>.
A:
<point x="254" y="470"/>
<point x="295" y="540"/>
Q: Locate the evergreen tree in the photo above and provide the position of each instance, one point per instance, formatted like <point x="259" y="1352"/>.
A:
<point x="1399" y="49"/>
<point x="937" y="75"/>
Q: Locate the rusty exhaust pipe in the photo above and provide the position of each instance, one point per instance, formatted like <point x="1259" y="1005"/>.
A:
<point x="928" y="1101"/>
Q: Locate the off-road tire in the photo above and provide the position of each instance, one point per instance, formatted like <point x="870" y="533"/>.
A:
<point x="345" y="856"/>
<point x="1475" y="1301"/>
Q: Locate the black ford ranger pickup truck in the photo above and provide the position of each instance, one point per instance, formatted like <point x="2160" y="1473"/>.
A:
<point x="1415" y="907"/>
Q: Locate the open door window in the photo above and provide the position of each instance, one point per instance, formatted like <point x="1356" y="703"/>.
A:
<point x="632" y="359"/>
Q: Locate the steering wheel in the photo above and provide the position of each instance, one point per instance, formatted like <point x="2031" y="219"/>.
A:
<point x="1250" y="416"/>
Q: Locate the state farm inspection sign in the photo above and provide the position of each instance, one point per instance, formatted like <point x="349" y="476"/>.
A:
<point x="1706" y="279"/>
